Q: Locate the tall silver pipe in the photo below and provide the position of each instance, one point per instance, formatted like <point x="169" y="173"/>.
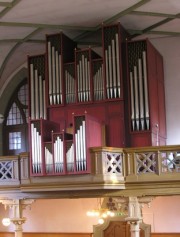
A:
<point x="78" y="78"/>
<point x="89" y="80"/>
<point x="36" y="94"/>
<point x="32" y="91"/>
<point x="50" y="73"/>
<point x="44" y="100"/>
<point x="86" y="78"/>
<point x="57" y="77"/>
<point x="146" y="90"/>
<point x="70" y="158"/>
<point x="107" y="74"/>
<point x="83" y="78"/>
<point x="32" y="148"/>
<point x="118" y="65"/>
<point x="132" y="101"/>
<point x="141" y="93"/>
<point x="114" y="69"/>
<point x="67" y="86"/>
<point x="41" y="106"/>
<point x="110" y="71"/>
<point x="81" y="148"/>
<point x="81" y="81"/>
<point x="136" y="98"/>
<point x="60" y="78"/>
<point x="53" y="75"/>
<point x="84" y="144"/>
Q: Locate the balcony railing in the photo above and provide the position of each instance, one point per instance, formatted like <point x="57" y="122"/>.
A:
<point x="112" y="168"/>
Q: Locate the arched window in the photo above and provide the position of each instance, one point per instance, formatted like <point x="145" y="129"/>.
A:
<point x="15" y="128"/>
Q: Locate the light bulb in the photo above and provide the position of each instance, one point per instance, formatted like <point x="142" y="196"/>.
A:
<point x="88" y="213"/>
<point x="112" y="214"/>
<point x="101" y="221"/>
<point x="6" y="221"/>
<point x="104" y="215"/>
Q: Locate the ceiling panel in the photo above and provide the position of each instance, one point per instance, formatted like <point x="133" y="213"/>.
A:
<point x="42" y="34"/>
<point x="161" y="6"/>
<point x="78" y="19"/>
<point x="81" y="12"/>
<point x="14" y="32"/>
<point x="139" y="22"/>
<point x="173" y="26"/>
<point x="19" y="57"/>
<point x="5" y="49"/>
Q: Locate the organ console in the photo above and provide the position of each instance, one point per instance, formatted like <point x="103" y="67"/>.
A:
<point x="121" y="90"/>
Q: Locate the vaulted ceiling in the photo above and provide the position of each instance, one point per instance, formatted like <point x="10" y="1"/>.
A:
<point x="25" y="23"/>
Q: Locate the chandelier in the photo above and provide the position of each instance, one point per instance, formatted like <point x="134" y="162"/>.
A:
<point x="110" y="210"/>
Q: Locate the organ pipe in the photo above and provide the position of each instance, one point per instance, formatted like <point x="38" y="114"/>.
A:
<point x="146" y="90"/>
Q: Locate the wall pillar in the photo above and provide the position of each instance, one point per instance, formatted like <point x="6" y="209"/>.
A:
<point x="17" y="206"/>
<point x="133" y="205"/>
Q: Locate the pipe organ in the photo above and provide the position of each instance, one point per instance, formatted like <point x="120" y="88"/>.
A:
<point x="40" y="150"/>
<point x="37" y="86"/>
<point x="56" y="45"/>
<point x="80" y="99"/>
<point x="113" y="36"/>
<point x="59" y="153"/>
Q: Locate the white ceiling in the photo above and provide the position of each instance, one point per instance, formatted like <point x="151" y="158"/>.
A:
<point x="25" y="23"/>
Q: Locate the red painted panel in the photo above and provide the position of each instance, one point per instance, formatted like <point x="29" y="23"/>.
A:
<point x="141" y="139"/>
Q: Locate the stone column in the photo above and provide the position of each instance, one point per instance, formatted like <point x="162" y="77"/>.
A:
<point x="18" y="222"/>
<point x="17" y="206"/>
<point x="134" y="216"/>
<point x="134" y="207"/>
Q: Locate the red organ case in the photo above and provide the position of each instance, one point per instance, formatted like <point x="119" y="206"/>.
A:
<point x="115" y="99"/>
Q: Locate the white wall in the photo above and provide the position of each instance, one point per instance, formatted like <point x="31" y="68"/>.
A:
<point x="70" y="216"/>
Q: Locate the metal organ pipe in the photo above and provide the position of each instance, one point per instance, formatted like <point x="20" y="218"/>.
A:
<point x="114" y="68"/>
<point x="132" y="101"/>
<point x="70" y="88"/>
<point x="37" y="86"/>
<point x="141" y="94"/>
<point x="70" y="158"/>
<point x="44" y="100"/>
<point x="55" y="79"/>
<point x="146" y="90"/>
<point x="41" y="97"/>
<point x="59" y="155"/>
<point x="139" y="91"/>
<point x="118" y="65"/>
<point x="98" y="84"/>
<point x="32" y="91"/>
<point x="86" y="78"/>
<point x="107" y="74"/>
<point x="53" y="76"/>
<point x="136" y="98"/>
<point x="84" y="143"/>
<point x="36" y="95"/>
<point x="88" y="82"/>
<point x="50" y="73"/>
<point x="83" y="77"/>
<point x="60" y="77"/>
<point x="110" y="71"/>
<point x="48" y="160"/>
<point x="80" y="147"/>
<point x="36" y="150"/>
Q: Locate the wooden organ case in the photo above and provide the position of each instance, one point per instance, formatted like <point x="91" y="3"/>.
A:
<point x="79" y="99"/>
